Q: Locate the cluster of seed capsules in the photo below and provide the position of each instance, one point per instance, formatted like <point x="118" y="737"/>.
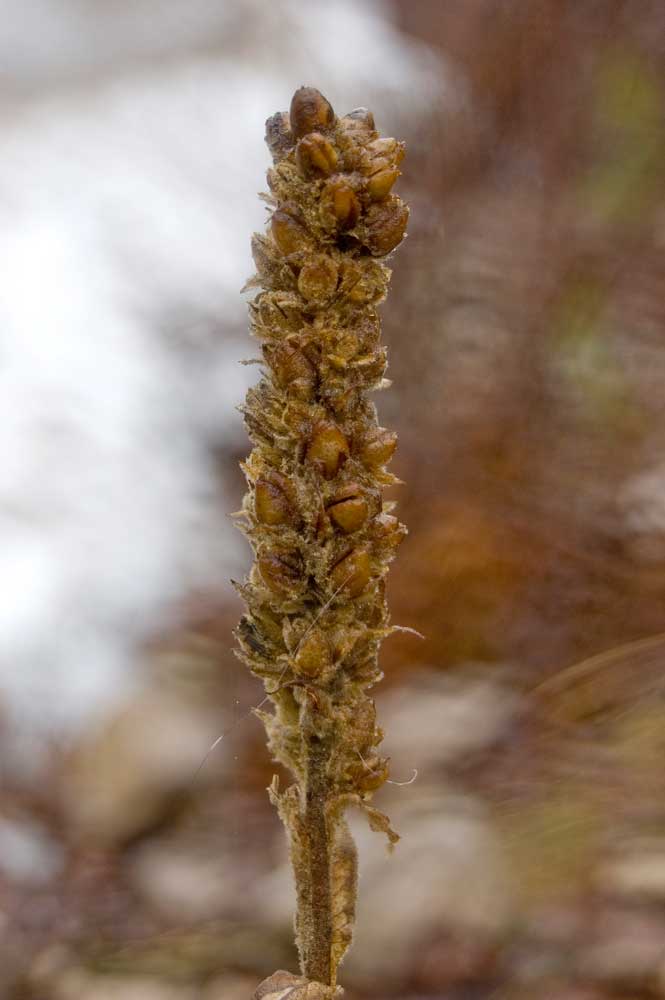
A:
<point x="322" y="534"/>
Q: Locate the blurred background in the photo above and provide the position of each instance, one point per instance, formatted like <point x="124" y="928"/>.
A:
<point x="526" y="328"/>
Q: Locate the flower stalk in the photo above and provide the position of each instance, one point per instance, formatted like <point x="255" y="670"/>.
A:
<point x="322" y="534"/>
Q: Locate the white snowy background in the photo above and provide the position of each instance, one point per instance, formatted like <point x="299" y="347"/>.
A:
<point x="131" y="152"/>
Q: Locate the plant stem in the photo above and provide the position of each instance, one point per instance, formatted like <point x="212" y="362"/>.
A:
<point x="315" y="918"/>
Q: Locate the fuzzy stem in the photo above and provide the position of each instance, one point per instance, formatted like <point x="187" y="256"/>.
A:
<point x="315" y="918"/>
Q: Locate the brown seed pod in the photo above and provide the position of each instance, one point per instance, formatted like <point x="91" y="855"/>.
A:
<point x="362" y="281"/>
<point x="327" y="449"/>
<point x="352" y="573"/>
<point x="313" y="655"/>
<point x="378" y="448"/>
<point x="317" y="280"/>
<point x="310" y="112"/>
<point x="279" y="571"/>
<point x="386" y="148"/>
<point x="339" y="206"/>
<point x="348" y="509"/>
<point x="272" y="502"/>
<point x="386" y="224"/>
<point x="359" y="125"/>
<point x="380" y="183"/>
<point x="360" y="118"/>
<point x="288" y="232"/>
<point x="291" y="368"/>
<point x="315" y="156"/>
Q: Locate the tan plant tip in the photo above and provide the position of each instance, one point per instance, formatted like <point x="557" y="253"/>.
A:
<point x="310" y="111"/>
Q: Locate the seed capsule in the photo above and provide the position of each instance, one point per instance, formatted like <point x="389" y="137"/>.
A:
<point x="314" y="655"/>
<point x="380" y="183"/>
<point x="328" y="449"/>
<point x="351" y="574"/>
<point x="289" y="233"/>
<point x="317" y="280"/>
<point x="291" y="369"/>
<point x="315" y="156"/>
<point x="386" y="147"/>
<point x="359" y="124"/>
<point x="278" y="571"/>
<point x="379" y="448"/>
<point x="360" y="283"/>
<point x="309" y="112"/>
<point x="363" y="117"/>
<point x="272" y="504"/>
<point x="278" y="135"/>
<point x="339" y="207"/>
<point x="348" y="509"/>
<point x="386" y="223"/>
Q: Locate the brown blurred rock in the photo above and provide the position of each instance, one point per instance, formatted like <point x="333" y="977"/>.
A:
<point x="639" y="875"/>
<point x="125" y="777"/>
<point x="185" y="884"/>
<point x="436" y="719"/>
<point x="29" y="855"/>
<point x="625" y="953"/>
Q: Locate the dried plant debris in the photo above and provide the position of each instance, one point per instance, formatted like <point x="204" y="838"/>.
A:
<point x="314" y="514"/>
<point x="282" y="985"/>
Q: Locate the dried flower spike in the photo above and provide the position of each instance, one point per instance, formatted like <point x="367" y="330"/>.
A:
<point x="316" y="610"/>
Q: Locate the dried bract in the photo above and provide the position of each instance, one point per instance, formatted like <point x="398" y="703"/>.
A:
<point x="348" y="509"/>
<point x="288" y="232"/>
<point x="279" y="138"/>
<point x="286" y="986"/>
